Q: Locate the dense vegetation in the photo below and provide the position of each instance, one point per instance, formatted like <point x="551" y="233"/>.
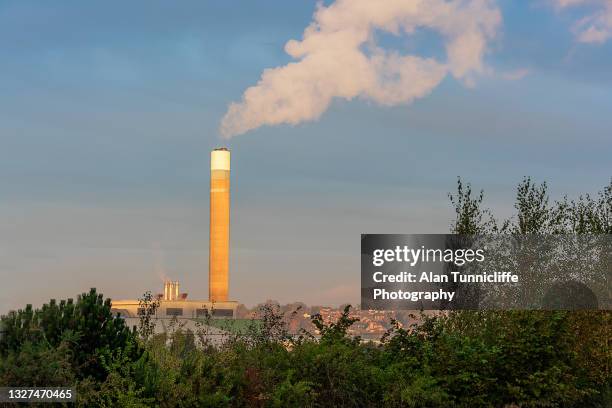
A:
<point x="463" y="359"/>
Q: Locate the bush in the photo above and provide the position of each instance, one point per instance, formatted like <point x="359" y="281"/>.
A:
<point x="85" y="331"/>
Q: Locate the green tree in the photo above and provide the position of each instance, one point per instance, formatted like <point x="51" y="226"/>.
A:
<point x="87" y="326"/>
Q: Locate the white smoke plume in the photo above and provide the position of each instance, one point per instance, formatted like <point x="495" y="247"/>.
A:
<point x="338" y="58"/>
<point x="596" y="27"/>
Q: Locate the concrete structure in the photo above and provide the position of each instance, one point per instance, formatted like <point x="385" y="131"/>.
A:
<point x="172" y="303"/>
<point x="171" y="291"/>
<point x="203" y="333"/>
<point x="218" y="262"/>
<point x="178" y="307"/>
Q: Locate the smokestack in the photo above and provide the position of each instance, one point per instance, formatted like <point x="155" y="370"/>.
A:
<point x="166" y="290"/>
<point x="171" y="290"/>
<point x="218" y="262"/>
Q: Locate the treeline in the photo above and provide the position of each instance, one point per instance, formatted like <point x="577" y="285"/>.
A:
<point x="458" y="359"/>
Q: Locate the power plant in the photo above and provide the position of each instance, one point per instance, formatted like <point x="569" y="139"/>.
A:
<point x="172" y="302"/>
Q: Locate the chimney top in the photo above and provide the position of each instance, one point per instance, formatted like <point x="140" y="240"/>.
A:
<point x="220" y="159"/>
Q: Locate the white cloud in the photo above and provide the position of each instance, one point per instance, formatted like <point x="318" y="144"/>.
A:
<point x="338" y="58"/>
<point x="516" y="74"/>
<point x="596" y="27"/>
<point x="569" y="3"/>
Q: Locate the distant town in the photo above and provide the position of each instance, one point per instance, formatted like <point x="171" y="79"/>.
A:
<point x="372" y="324"/>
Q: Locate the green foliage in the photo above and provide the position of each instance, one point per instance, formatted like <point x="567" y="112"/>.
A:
<point x="120" y="388"/>
<point x="470" y="217"/>
<point x="458" y="359"/>
<point x="292" y="393"/>
<point x="453" y="359"/>
<point x="147" y="308"/>
<point x="86" y="329"/>
<point x="535" y="212"/>
<point x="424" y="391"/>
<point x="37" y="364"/>
<point x="533" y="358"/>
<point x="334" y="331"/>
<point x="587" y="214"/>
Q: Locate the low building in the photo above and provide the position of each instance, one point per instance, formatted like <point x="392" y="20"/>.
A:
<point x="175" y="304"/>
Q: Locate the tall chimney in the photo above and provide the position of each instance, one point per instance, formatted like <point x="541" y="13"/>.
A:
<point x="218" y="262"/>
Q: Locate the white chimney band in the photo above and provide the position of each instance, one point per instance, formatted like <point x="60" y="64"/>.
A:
<point x="220" y="160"/>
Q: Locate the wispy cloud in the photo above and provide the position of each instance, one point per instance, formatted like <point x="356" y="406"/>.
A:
<point x="596" y="26"/>
<point x="338" y="57"/>
<point x="515" y="75"/>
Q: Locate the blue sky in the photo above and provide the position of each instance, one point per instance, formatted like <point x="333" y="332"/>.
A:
<point x="108" y="111"/>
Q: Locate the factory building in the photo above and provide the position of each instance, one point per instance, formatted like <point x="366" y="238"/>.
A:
<point x="173" y="303"/>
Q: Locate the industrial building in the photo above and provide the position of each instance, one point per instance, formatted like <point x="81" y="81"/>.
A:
<point x="173" y="303"/>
